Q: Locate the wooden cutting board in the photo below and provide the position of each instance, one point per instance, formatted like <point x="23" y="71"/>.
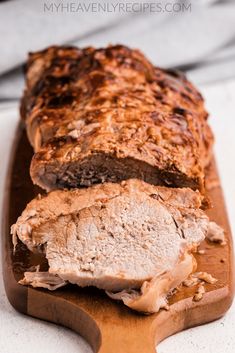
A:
<point x="109" y="326"/>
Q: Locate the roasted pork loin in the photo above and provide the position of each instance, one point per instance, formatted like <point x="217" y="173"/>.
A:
<point x="95" y="115"/>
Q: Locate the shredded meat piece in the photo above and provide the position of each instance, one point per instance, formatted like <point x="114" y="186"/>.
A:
<point x="216" y="234"/>
<point x="199" y="292"/>
<point x="42" y="279"/>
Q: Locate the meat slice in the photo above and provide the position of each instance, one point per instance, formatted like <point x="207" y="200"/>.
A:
<point x="95" y="115"/>
<point x="131" y="237"/>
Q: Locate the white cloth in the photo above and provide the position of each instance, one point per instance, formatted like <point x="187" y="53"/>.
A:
<point x="200" y="41"/>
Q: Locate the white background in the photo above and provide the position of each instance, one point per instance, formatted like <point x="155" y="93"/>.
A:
<point x="21" y="334"/>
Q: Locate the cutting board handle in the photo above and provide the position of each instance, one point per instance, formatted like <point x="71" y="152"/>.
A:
<point x="126" y="339"/>
<point x="108" y="327"/>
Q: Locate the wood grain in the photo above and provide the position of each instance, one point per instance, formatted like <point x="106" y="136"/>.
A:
<point x="108" y="325"/>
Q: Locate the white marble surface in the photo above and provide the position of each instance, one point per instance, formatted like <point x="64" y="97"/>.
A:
<point x="19" y="333"/>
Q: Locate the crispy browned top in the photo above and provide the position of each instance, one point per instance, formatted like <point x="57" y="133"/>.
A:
<point x="113" y="100"/>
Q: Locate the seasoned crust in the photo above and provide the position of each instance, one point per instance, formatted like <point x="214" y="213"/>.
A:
<point x="111" y="104"/>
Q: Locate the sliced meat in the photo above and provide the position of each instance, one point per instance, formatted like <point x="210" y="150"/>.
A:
<point x="128" y="236"/>
<point x="95" y="115"/>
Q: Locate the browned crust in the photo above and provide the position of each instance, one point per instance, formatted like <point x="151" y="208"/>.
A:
<point x="113" y="102"/>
